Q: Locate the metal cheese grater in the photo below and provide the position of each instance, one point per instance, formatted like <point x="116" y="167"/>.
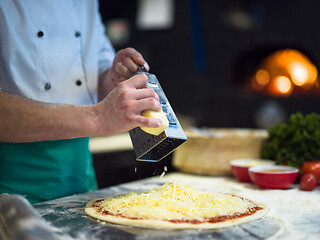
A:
<point x="153" y="148"/>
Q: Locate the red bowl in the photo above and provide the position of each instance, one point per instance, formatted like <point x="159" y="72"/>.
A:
<point x="273" y="177"/>
<point x="240" y="167"/>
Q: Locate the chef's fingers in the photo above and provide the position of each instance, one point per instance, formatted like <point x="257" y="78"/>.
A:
<point x="146" y="93"/>
<point x="127" y="68"/>
<point x="148" y="104"/>
<point x="130" y="65"/>
<point x="138" y="81"/>
<point x="148" y="122"/>
<point x="123" y="71"/>
<point x="117" y="78"/>
<point x="126" y="64"/>
<point x="138" y="59"/>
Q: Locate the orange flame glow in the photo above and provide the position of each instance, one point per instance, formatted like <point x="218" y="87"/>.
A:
<point x="286" y="72"/>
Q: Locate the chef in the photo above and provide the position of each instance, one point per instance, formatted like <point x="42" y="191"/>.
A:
<point x="61" y="83"/>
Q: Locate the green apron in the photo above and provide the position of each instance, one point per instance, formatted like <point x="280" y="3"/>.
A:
<point x="42" y="171"/>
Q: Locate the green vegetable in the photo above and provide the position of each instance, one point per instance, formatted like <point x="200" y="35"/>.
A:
<point x="294" y="142"/>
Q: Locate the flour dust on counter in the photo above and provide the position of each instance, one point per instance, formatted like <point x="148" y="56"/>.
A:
<point x="68" y="221"/>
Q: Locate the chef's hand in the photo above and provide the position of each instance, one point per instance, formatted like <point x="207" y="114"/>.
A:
<point x="121" y="110"/>
<point x="125" y="64"/>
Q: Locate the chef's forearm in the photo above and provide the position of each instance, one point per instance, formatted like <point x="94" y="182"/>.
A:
<point x="25" y="120"/>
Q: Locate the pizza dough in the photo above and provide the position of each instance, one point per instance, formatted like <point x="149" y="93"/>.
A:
<point x="176" y="206"/>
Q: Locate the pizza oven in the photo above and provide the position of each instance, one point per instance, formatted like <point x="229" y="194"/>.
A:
<point x="283" y="80"/>
<point x="262" y="62"/>
<point x="285" y="73"/>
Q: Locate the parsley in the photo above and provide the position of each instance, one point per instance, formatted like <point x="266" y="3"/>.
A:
<point x="294" y="142"/>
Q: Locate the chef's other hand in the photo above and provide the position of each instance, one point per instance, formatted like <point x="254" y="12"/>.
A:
<point x="125" y="64"/>
<point x="121" y="110"/>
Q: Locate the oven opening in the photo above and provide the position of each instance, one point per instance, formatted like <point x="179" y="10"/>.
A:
<point x="284" y="73"/>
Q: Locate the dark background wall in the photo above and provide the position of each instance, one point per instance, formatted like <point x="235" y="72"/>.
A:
<point x="204" y="59"/>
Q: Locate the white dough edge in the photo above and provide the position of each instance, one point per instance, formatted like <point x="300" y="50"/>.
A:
<point x="162" y="224"/>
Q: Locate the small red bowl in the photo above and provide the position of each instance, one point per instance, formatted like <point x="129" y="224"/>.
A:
<point x="240" y="167"/>
<point x="273" y="177"/>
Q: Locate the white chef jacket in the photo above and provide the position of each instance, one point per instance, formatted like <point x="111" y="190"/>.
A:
<point x="53" y="50"/>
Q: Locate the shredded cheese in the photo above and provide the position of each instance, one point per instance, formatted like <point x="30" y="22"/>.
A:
<point x="165" y="169"/>
<point x="174" y="189"/>
<point x="162" y="175"/>
<point x="175" y="201"/>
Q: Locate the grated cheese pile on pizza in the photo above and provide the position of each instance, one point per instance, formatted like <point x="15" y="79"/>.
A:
<point x="176" y="206"/>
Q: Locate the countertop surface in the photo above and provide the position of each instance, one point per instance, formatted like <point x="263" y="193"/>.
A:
<point x="121" y="142"/>
<point x="293" y="214"/>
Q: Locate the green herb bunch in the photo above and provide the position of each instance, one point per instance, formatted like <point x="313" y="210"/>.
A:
<point x="294" y="142"/>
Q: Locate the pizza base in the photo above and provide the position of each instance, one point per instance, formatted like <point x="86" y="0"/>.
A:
<point x="163" y="224"/>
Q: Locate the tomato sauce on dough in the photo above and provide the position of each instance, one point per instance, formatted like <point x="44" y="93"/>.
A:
<point x="189" y="221"/>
